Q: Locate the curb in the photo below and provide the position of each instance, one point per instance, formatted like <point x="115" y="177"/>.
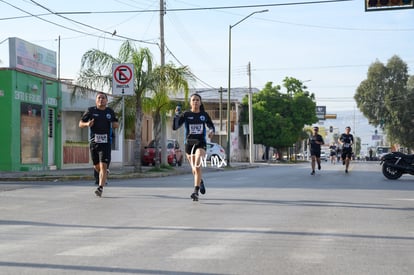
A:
<point x="114" y="175"/>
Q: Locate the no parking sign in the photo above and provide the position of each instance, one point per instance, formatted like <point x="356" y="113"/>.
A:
<point x="123" y="79"/>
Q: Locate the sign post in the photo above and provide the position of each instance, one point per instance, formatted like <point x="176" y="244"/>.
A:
<point x="123" y="84"/>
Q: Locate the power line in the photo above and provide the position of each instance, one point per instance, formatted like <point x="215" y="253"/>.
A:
<point x="318" y="67"/>
<point x="89" y="26"/>
<point x="38" y="17"/>
<point x="177" y="9"/>
<point x="76" y="30"/>
<point x="338" y="28"/>
<point x="23" y="16"/>
<point x="60" y="14"/>
<point x="335" y="99"/>
<point x="196" y="77"/>
<point x="211" y="8"/>
<point x="94" y="28"/>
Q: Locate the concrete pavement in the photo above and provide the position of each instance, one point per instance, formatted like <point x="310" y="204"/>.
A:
<point x="274" y="220"/>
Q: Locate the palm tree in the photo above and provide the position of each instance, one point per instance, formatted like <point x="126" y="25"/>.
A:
<point x="165" y="80"/>
<point x="96" y="74"/>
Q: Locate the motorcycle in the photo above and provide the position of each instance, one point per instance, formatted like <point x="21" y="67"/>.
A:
<point x="395" y="164"/>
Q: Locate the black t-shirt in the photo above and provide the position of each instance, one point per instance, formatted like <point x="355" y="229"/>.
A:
<point x="194" y="124"/>
<point x="101" y="131"/>
<point x="347" y="141"/>
<point x="312" y="142"/>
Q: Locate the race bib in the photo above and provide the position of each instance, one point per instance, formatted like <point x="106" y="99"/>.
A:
<point x="101" y="138"/>
<point x="347" y="145"/>
<point x="196" y="129"/>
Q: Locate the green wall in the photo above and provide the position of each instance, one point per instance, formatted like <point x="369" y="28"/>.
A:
<point x="21" y="95"/>
<point x="6" y="138"/>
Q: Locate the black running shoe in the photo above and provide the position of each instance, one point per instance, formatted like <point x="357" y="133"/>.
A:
<point x="194" y="196"/>
<point x="313" y="173"/>
<point x="319" y="166"/>
<point x="202" y="187"/>
<point x="346" y="171"/>
<point x="99" y="191"/>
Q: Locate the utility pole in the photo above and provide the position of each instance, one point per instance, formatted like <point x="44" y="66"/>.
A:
<point x="162" y="42"/>
<point x="164" y="159"/>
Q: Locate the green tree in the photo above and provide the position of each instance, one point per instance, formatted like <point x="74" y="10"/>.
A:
<point x="165" y="80"/>
<point x="386" y="98"/>
<point x="279" y="118"/>
<point x="357" y="146"/>
<point x="96" y="74"/>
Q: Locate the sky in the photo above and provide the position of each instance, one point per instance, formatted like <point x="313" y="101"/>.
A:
<point x="327" y="45"/>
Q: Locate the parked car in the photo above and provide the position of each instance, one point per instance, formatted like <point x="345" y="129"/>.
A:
<point x="324" y="156"/>
<point x="215" y="149"/>
<point x="175" y="155"/>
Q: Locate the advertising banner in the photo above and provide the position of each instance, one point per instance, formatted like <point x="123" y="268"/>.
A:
<point x="30" y="57"/>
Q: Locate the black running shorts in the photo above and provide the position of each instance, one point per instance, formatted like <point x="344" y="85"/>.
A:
<point x="346" y="153"/>
<point x="316" y="153"/>
<point x="190" y="149"/>
<point x="100" y="152"/>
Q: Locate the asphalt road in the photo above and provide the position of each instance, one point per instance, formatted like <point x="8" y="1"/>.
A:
<point x="275" y="219"/>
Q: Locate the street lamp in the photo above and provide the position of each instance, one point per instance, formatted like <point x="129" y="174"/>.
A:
<point x="229" y="85"/>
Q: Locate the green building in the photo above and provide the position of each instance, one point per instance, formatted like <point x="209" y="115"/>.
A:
<point x="30" y="138"/>
<point x="29" y="100"/>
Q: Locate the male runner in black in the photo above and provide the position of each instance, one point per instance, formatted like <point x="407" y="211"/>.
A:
<point x="347" y="140"/>
<point x="101" y="120"/>
<point x="315" y="142"/>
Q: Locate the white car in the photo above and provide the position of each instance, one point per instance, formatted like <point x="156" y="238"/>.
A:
<point x="324" y="156"/>
<point x="215" y="149"/>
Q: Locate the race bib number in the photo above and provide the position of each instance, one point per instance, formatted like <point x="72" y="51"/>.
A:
<point x="101" y="138"/>
<point x="347" y="145"/>
<point x="196" y="129"/>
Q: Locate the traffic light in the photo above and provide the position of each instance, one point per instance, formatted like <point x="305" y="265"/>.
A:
<point x="330" y="129"/>
<point x="377" y="5"/>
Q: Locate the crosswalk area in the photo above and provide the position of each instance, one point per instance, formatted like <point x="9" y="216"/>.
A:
<point x="132" y="230"/>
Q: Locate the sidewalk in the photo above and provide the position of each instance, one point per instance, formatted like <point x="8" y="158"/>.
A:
<point x="116" y="172"/>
